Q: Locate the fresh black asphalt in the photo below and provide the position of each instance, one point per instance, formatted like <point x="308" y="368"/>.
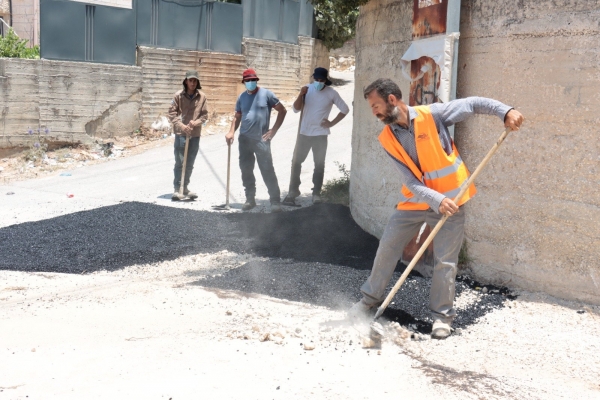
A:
<point x="317" y="254"/>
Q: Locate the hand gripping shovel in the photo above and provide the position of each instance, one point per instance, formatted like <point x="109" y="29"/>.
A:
<point x="376" y="328"/>
<point x="226" y="205"/>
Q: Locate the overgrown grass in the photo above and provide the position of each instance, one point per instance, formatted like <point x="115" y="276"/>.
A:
<point x="337" y="190"/>
<point x="463" y="256"/>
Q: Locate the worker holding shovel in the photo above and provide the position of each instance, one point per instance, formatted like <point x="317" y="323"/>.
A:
<point x="187" y="114"/>
<point x="252" y="117"/>
<point x="315" y="101"/>
<point x="432" y="173"/>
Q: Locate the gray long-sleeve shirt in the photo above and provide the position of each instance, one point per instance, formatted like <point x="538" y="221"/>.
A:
<point x="444" y="115"/>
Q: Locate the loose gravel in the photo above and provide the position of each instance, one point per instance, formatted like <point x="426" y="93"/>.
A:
<point x="316" y="255"/>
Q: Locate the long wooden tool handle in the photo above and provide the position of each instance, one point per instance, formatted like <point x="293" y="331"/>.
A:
<point x="228" y="171"/>
<point x="185" y="153"/>
<point x="438" y="226"/>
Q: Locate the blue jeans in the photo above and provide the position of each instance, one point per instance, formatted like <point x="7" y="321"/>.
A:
<point x="260" y="151"/>
<point x="179" y="148"/>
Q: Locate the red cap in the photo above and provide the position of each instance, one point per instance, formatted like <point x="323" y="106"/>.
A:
<point x="249" y="74"/>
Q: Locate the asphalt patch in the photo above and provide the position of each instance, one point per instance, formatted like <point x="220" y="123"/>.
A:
<point x="317" y="254"/>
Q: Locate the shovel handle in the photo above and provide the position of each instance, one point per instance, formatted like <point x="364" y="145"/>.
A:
<point x="228" y="172"/>
<point x="438" y="226"/>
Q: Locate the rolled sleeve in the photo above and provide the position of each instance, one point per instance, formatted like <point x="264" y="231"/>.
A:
<point x="340" y="104"/>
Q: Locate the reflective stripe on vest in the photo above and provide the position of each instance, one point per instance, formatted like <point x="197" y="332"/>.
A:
<point x="442" y="172"/>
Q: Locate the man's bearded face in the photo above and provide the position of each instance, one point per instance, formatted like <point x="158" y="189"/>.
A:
<point x="391" y="114"/>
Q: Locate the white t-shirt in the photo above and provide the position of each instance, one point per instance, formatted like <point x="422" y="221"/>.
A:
<point x="317" y="106"/>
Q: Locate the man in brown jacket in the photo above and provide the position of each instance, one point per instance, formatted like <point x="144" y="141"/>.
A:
<point x="187" y="114"/>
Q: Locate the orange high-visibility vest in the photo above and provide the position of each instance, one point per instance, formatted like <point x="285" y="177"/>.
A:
<point x="439" y="171"/>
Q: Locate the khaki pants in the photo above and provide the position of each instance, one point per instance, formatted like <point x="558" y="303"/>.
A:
<point x="401" y="228"/>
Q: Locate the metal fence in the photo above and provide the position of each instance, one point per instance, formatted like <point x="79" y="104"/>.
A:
<point x="79" y="32"/>
<point x="76" y="31"/>
<point x="272" y="19"/>
<point x="190" y="25"/>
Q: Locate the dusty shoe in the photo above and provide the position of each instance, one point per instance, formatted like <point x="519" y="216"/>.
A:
<point x="175" y="196"/>
<point x="317" y="199"/>
<point x="189" y="194"/>
<point x="275" y="207"/>
<point x="441" y="330"/>
<point x="360" y="310"/>
<point x="289" y="201"/>
<point x="249" y="205"/>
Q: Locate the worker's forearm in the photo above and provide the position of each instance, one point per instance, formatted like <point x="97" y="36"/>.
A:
<point x="337" y="119"/>
<point x="298" y="103"/>
<point x="279" y="121"/>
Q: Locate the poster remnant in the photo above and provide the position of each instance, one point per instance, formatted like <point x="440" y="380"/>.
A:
<point x="110" y="3"/>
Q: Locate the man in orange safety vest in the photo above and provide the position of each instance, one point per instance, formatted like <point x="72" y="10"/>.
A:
<point x="432" y="172"/>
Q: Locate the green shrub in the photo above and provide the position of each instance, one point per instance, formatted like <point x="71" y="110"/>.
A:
<point x="12" y="46"/>
<point x="338" y="190"/>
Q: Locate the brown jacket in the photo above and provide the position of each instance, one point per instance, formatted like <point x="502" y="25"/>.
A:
<point x="183" y="110"/>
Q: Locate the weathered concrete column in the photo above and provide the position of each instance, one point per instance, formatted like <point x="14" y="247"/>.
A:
<point x="535" y="223"/>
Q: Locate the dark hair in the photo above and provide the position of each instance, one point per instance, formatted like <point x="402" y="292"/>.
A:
<point x="384" y="88"/>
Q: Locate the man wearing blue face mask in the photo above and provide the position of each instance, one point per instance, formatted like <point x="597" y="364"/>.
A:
<point x="253" y="113"/>
<point x="318" y="99"/>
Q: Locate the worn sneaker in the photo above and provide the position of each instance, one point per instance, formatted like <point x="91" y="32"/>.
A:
<point x="440" y="330"/>
<point x="275" y="207"/>
<point x="175" y="196"/>
<point x="317" y="199"/>
<point x="360" y="310"/>
<point x="189" y="194"/>
<point x="249" y="205"/>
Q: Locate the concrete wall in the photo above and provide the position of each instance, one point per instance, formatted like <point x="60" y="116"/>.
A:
<point x="76" y="101"/>
<point x="312" y="54"/>
<point x="535" y="223"/>
<point x="164" y="70"/>
<point x="276" y="63"/>
<point x="81" y="101"/>
<point x="26" y="20"/>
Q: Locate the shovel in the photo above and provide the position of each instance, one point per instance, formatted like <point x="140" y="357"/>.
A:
<point x="293" y="203"/>
<point x="377" y="331"/>
<point x="180" y="195"/>
<point x="225" y="206"/>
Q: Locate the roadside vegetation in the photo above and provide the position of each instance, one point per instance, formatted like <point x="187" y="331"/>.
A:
<point x="336" y="20"/>
<point x="337" y="190"/>
<point x="12" y="46"/>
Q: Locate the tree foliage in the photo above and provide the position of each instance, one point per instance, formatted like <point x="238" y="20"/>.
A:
<point x="13" y="47"/>
<point x="336" y="20"/>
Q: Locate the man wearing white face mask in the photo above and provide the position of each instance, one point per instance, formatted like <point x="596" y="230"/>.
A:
<point x="318" y="99"/>
<point x="252" y="116"/>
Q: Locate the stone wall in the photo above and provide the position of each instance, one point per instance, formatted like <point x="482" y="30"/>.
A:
<point x="164" y="70"/>
<point x="313" y="54"/>
<point x="26" y="20"/>
<point x="5" y="10"/>
<point x="535" y="223"/>
<point x="276" y="63"/>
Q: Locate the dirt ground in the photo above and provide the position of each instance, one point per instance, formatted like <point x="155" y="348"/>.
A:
<point x="98" y="300"/>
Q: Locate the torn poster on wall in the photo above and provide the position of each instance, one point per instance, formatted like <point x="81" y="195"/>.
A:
<point x="110" y="3"/>
<point x="429" y="61"/>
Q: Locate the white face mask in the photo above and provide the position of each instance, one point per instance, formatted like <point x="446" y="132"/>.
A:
<point x="318" y="85"/>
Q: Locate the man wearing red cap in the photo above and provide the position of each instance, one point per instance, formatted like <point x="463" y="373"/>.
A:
<point x="253" y="113"/>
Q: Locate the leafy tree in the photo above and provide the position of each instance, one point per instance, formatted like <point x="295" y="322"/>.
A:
<point x="12" y="46"/>
<point x="336" y="20"/>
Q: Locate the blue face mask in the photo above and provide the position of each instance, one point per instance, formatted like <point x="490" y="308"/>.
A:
<point x="318" y="85"/>
<point x="250" y="86"/>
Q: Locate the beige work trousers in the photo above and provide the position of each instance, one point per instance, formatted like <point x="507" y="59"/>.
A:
<point x="401" y="228"/>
